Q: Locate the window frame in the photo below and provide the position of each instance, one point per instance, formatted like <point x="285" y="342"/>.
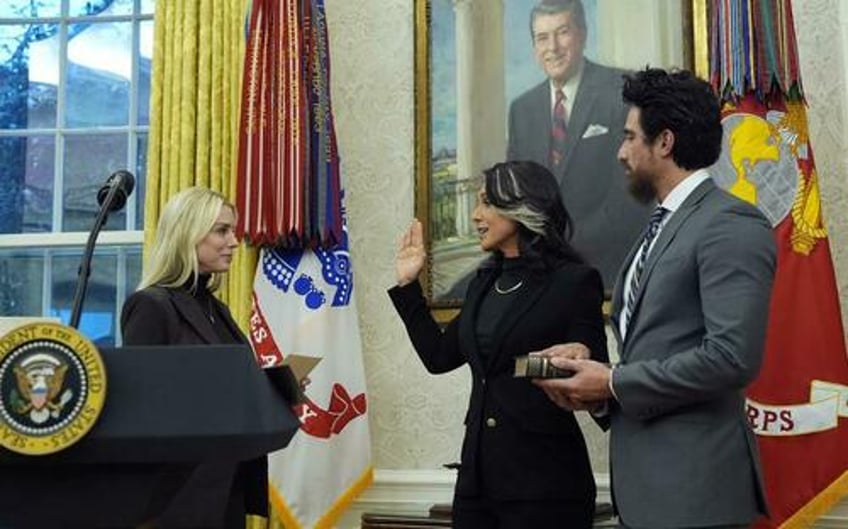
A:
<point x="124" y="240"/>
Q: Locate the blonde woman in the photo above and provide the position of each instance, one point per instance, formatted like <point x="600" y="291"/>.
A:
<point x="195" y="243"/>
<point x="194" y="247"/>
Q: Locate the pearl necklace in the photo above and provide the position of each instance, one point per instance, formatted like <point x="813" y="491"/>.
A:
<point x="509" y="290"/>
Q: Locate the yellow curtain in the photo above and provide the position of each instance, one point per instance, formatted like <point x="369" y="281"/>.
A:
<point x="195" y="95"/>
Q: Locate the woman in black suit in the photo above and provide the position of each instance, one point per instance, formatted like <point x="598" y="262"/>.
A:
<point x="524" y="460"/>
<point x="194" y="246"/>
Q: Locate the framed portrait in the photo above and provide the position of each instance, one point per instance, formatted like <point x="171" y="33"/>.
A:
<point x="484" y="71"/>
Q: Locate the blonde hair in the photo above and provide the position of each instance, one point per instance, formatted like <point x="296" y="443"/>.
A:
<point x="186" y="219"/>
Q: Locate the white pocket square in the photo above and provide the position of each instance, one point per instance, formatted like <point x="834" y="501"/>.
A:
<point x="594" y="130"/>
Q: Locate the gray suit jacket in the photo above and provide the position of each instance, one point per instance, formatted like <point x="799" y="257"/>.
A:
<point x="681" y="451"/>
<point x="606" y="218"/>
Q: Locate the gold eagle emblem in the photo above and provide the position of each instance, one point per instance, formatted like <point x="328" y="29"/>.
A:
<point x="40" y="379"/>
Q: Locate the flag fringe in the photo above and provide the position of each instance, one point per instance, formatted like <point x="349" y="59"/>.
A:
<point x="332" y="515"/>
<point x="329" y="519"/>
<point x="819" y="505"/>
<point x="281" y="509"/>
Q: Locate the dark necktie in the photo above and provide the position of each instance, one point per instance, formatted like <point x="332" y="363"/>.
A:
<point x="559" y="131"/>
<point x="642" y="256"/>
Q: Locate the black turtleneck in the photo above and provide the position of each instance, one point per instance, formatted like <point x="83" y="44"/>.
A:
<point x="496" y="302"/>
<point x="211" y="308"/>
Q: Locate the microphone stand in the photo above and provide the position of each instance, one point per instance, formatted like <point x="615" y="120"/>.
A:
<point x="88" y="253"/>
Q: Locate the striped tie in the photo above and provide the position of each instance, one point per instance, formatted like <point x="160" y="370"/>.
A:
<point x="644" y="249"/>
<point x="559" y="131"/>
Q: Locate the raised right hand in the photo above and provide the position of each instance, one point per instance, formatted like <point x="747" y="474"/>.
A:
<point x="411" y="254"/>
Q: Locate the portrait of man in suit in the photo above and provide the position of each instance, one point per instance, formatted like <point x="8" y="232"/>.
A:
<point x="571" y="122"/>
<point x="493" y="70"/>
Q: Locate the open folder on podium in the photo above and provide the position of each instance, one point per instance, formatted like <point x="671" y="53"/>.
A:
<point x="290" y="377"/>
<point x="301" y="365"/>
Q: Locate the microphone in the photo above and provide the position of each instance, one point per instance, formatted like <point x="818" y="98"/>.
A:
<point x="111" y="197"/>
<point x="123" y="183"/>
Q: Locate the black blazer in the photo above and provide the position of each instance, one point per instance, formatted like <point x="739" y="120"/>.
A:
<point x="526" y="447"/>
<point x="607" y="220"/>
<point x="171" y="316"/>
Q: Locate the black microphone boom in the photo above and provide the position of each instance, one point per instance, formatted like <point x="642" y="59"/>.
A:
<point x="123" y="183"/>
<point x="111" y="197"/>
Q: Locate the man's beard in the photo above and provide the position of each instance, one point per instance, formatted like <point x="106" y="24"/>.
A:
<point x="641" y="188"/>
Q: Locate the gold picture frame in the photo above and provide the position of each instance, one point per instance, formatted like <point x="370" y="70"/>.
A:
<point x="693" y="25"/>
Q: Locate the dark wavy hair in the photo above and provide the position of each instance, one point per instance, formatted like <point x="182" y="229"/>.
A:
<point x="683" y="104"/>
<point x="528" y="193"/>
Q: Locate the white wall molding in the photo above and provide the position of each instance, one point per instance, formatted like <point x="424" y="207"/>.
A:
<point x="415" y="491"/>
<point x="407" y="491"/>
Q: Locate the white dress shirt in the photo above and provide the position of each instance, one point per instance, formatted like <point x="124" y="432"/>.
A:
<point x="570" y="91"/>
<point x="671" y="203"/>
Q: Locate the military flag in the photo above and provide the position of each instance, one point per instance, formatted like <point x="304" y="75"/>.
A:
<point x="798" y="407"/>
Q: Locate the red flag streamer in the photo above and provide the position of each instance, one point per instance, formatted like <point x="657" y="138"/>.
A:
<point x="798" y="406"/>
<point x="249" y="146"/>
<point x="290" y="199"/>
<point x="288" y="188"/>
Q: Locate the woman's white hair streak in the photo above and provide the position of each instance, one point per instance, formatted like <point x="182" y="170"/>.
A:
<point x="531" y="219"/>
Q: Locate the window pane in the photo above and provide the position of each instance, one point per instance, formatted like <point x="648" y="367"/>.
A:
<point x="12" y="170"/>
<point x="97" y="320"/>
<point x="38" y="193"/>
<point x="147" y="6"/>
<point x="98" y="74"/>
<point x="29" y="73"/>
<point x="43" y="80"/>
<point x="132" y="275"/>
<point x="145" y="66"/>
<point x="89" y="160"/>
<point x="81" y="8"/>
<point x="140" y="180"/>
<point x="26" y="180"/>
<point x="28" y="8"/>
<point x="21" y="279"/>
<point x="133" y="272"/>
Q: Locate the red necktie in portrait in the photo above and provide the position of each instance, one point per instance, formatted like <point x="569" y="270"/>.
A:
<point x="559" y="130"/>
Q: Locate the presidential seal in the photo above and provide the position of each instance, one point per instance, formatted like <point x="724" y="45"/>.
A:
<point x="52" y="388"/>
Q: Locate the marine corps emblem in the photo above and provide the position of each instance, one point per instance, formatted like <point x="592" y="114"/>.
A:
<point x="52" y="388"/>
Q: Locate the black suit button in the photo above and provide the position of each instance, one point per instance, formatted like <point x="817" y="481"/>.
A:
<point x="491" y="422"/>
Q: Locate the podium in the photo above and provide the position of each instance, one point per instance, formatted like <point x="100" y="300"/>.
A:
<point x="168" y="412"/>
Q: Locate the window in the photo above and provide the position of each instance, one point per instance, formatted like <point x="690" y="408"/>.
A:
<point x="74" y="93"/>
